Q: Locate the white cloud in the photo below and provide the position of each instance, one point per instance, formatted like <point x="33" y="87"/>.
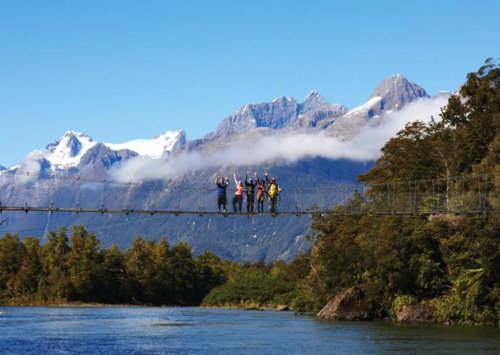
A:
<point x="289" y="147"/>
<point x="30" y="164"/>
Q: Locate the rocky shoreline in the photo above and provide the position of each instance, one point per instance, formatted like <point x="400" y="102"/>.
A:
<point x="353" y="305"/>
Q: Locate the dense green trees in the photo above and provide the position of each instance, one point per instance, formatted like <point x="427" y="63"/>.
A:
<point x="77" y="269"/>
<point x="451" y="262"/>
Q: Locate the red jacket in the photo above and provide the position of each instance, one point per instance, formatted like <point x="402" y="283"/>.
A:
<point x="239" y="190"/>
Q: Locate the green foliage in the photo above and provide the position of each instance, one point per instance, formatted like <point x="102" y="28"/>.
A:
<point x="83" y="264"/>
<point x="12" y="253"/>
<point x="147" y="273"/>
<point x="254" y="286"/>
<point x="55" y="283"/>
<point x="450" y="261"/>
<point x="401" y="301"/>
<point x="260" y="285"/>
<point x="386" y="255"/>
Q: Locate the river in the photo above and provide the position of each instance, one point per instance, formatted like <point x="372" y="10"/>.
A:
<point x="150" y="330"/>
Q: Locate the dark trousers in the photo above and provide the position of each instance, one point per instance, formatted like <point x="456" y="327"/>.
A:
<point x="250" y="202"/>
<point x="221" y="202"/>
<point x="237" y="202"/>
<point x="273" y="203"/>
<point x="260" y="203"/>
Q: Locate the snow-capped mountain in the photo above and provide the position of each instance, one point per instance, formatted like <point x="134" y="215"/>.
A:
<point x="67" y="151"/>
<point x="75" y="150"/>
<point x="315" y="113"/>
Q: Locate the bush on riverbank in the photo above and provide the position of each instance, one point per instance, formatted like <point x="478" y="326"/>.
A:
<point x="260" y="285"/>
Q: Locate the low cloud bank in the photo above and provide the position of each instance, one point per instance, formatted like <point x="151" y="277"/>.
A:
<point x="289" y="147"/>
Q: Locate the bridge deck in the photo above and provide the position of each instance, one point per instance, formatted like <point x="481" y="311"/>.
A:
<point x="27" y="209"/>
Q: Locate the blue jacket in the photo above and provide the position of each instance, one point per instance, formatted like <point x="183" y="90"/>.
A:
<point x="221" y="188"/>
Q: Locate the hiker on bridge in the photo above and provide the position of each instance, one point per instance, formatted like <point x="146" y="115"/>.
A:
<point x="273" y="191"/>
<point x="238" y="194"/>
<point x="222" y="184"/>
<point x="250" y="189"/>
<point x="261" y="193"/>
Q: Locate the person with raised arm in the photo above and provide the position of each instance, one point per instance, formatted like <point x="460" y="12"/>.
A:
<point x="238" y="195"/>
<point x="222" y="184"/>
<point x="273" y="190"/>
<point x="261" y="193"/>
<point x="250" y="189"/>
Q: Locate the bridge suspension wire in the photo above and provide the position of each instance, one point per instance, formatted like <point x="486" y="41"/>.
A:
<point x="78" y="178"/>
<point x="24" y="191"/>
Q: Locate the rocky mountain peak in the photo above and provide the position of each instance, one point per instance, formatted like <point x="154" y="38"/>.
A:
<point x="67" y="150"/>
<point x="314" y="98"/>
<point x="395" y="91"/>
<point x="99" y="158"/>
<point x="70" y="141"/>
<point x="76" y="134"/>
<point x="276" y="114"/>
<point x="315" y="102"/>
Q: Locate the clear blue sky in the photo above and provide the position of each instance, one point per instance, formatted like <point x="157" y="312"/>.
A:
<point x="120" y="70"/>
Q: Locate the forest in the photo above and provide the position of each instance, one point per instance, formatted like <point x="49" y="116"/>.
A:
<point x="451" y="262"/>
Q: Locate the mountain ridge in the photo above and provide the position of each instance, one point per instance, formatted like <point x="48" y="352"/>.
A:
<point x="283" y="114"/>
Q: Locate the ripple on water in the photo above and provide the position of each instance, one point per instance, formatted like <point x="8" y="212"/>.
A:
<point x="123" y="330"/>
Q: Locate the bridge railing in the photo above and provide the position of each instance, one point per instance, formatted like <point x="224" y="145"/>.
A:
<point x="463" y="194"/>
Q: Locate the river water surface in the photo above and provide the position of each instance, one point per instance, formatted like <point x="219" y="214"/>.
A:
<point x="148" y="330"/>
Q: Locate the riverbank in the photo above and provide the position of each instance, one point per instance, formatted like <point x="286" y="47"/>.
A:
<point x="63" y="303"/>
<point x="67" y="304"/>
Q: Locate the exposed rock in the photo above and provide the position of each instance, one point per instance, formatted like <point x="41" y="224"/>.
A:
<point x="416" y="313"/>
<point x="281" y="113"/>
<point x="282" y="308"/>
<point x="103" y="156"/>
<point x="351" y="304"/>
<point x="452" y="220"/>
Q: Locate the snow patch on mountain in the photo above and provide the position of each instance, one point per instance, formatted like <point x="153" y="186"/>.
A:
<point x="153" y="148"/>
<point x="364" y="107"/>
<point x="70" y="149"/>
<point x="67" y="151"/>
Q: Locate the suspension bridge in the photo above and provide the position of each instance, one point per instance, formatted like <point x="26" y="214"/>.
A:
<point x="22" y="191"/>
